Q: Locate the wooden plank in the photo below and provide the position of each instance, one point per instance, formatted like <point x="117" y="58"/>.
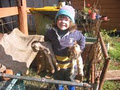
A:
<point x="113" y="20"/>
<point x="113" y="75"/>
<point x="113" y="78"/>
<point x="112" y="15"/>
<point x="111" y="24"/>
<point x="107" y="12"/>
<point x="111" y="27"/>
<point x="113" y="6"/>
<point x="109" y="1"/>
<point x="9" y="11"/>
<point x="111" y="10"/>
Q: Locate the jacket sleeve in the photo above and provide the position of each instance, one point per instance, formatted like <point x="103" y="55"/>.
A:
<point x="81" y="42"/>
<point x="47" y="36"/>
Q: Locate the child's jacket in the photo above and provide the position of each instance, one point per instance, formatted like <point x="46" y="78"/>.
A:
<point x="61" y="45"/>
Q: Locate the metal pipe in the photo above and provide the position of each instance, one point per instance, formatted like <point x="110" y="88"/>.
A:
<point x="44" y="80"/>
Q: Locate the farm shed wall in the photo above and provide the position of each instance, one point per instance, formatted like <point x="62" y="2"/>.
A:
<point x="110" y="8"/>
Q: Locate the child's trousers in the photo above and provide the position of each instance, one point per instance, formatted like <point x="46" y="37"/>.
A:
<point x="63" y="74"/>
<point x="61" y="87"/>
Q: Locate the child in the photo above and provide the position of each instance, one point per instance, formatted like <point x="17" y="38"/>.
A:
<point x="62" y="35"/>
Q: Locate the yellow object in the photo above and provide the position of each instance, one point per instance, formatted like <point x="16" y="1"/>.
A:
<point x="65" y="66"/>
<point x="46" y="8"/>
<point x="64" y="58"/>
<point x="43" y="17"/>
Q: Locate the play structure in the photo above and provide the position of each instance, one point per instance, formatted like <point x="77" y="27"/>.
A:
<point x="95" y="56"/>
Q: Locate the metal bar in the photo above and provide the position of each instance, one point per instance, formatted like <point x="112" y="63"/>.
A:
<point x="44" y="80"/>
<point x="9" y="85"/>
<point x="7" y="22"/>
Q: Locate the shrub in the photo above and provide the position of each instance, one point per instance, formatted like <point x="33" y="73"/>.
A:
<point x="111" y="85"/>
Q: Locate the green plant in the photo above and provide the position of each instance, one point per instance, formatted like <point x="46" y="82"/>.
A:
<point x="114" y="65"/>
<point x="86" y="10"/>
<point x="111" y="85"/>
<point x="114" y="51"/>
<point x="106" y="36"/>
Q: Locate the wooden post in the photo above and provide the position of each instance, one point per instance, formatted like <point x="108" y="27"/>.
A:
<point x="22" y="10"/>
<point x="93" y="73"/>
<point x="96" y="84"/>
<point x="103" y="74"/>
<point x="106" y="63"/>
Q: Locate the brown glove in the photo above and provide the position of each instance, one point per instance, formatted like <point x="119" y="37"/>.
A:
<point x="8" y="71"/>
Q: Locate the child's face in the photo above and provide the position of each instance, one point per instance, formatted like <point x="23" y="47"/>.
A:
<point x="63" y="22"/>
